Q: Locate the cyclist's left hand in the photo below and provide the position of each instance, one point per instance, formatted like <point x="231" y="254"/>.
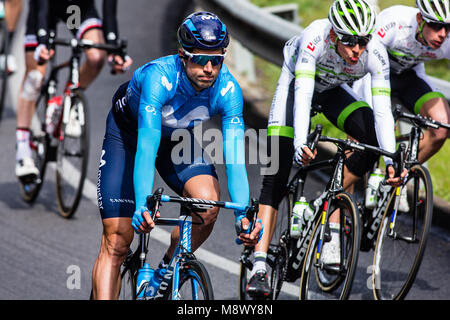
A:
<point x="120" y="64"/>
<point x="392" y="179"/>
<point x="243" y="227"/>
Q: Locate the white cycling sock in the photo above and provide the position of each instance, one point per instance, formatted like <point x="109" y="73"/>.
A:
<point x="23" y="144"/>
<point x="260" y="261"/>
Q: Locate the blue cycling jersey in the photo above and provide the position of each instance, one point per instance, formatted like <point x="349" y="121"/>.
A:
<point x="161" y="99"/>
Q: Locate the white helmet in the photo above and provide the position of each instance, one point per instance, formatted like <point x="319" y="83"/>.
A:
<point x="352" y="17"/>
<point x="434" y="10"/>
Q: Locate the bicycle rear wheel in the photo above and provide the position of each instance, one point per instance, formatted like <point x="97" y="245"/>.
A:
<point x="399" y="251"/>
<point x="194" y="282"/>
<point x="72" y="156"/>
<point x="320" y="281"/>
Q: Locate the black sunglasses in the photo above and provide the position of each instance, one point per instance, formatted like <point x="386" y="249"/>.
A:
<point x="437" y="26"/>
<point x="351" y="41"/>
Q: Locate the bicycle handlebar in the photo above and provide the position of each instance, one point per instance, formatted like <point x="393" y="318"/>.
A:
<point x="397" y="156"/>
<point x="418" y="120"/>
<point x="154" y="201"/>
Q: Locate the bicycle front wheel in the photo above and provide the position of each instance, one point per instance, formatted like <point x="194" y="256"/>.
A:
<point x="194" y="282"/>
<point x="72" y="156"/>
<point x="402" y="237"/>
<point x="40" y="153"/>
<point x="320" y="281"/>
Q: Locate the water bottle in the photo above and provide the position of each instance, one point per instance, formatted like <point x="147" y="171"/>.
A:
<point x="144" y="277"/>
<point x="301" y="213"/>
<point x="374" y="181"/>
<point x="154" y="282"/>
<point x="52" y="114"/>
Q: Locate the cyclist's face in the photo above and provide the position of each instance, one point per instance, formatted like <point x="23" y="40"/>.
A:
<point x="350" y="54"/>
<point x="202" y="77"/>
<point x="434" y="36"/>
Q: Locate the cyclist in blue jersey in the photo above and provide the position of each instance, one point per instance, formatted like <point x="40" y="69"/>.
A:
<point x="169" y="93"/>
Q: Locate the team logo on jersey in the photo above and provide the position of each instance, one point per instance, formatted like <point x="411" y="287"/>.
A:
<point x="200" y="113"/>
<point x="230" y="86"/>
<point x="235" y="120"/>
<point x="102" y="162"/>
<point x="150" y="109"/>
<point x="381" y="33"/>
<point x="311" y="47"/>
<point x="166" y="83"/>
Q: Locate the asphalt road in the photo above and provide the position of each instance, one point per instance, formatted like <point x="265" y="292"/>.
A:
<point x="44" y="256"/>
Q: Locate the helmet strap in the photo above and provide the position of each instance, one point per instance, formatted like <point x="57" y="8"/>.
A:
<point x="419" y="34"/>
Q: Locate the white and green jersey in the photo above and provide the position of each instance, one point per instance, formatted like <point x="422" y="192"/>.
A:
<point x="311" y="59"/>
<point x="397" y="29"/>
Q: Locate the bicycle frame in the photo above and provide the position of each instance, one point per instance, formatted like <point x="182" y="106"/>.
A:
<point x="184" y="223"/>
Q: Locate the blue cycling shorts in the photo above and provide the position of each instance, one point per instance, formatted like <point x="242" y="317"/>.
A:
<point x="115" y="190"/>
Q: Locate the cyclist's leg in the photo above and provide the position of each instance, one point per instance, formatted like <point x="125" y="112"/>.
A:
<point x="91" y="29"/>
<point x="13" y="8"/>
<point x="28" y="94"/>
<point x="115" y="195"/>
<point x="348" y="112"/>
<point x="280" y="134"/>
<point x="116" y="239"/>
<point x="427" y="101"/>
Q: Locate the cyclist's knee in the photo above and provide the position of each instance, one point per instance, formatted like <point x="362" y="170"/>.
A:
<point x="95" y="58"/>
<point x="31" y="85"/>
<point x="116" y="240"/>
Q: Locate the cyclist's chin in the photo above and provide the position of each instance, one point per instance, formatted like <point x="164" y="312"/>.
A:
<point x="204" y="84"/>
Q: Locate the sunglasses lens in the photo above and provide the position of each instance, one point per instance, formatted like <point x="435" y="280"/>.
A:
<point x="438" y="26"/>
<point x="204" y="59"/>
<point x="352" y="41"/>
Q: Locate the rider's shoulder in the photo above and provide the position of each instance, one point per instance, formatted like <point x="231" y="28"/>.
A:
<point x="397" y="13"/>
<point x="167" y="66"/>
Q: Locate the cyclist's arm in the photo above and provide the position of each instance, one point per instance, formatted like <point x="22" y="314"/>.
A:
<point x="110" y="25"/>
<point x="234" y="146"/>
<point x="149" y="135"/>
<point x="378" y="66"/>
<point x="43" y="8"/>
<point x="305" y="69"/>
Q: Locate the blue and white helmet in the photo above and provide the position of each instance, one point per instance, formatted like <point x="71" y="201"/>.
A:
<point x="203" y="30"/>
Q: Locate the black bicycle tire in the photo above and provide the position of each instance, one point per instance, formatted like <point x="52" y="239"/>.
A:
<point x="353" y="261"/>
<point x="67" y="211"/>
<point x="129" y="278"/>
<point x="202" y="277"/>
<point x="280" y="262"/>
<point x="242" y="284"/>
<point x="4" y="73"/>
<point x="30" y="196"/>
<point x="425" y="175"/>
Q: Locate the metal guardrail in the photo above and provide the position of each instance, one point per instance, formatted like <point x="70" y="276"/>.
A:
<point x="265" y="34"/>
<point x="262" y="33"/>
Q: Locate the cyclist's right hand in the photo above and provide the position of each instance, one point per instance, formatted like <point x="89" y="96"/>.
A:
<point x="142" y="221"/>
<point x="392" y="179"/>
<point x="42" y="54"/>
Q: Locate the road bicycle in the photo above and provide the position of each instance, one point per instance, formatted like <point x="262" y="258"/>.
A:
<point x="4" y="52"/>
<point x="291" y="258"/>
<point x="68" y="144"/>
<point x="186" y="277"/>
<point x="397" y="228"/>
